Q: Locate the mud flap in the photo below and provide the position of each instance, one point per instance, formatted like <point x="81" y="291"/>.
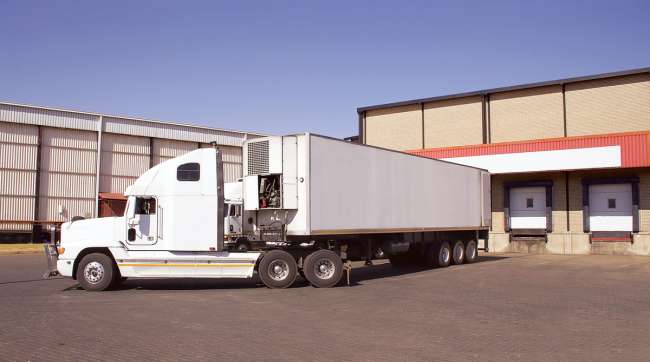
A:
<point x="52" y="256"/>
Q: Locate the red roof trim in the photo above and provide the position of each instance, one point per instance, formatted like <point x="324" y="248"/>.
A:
<point x="635" y="147"/>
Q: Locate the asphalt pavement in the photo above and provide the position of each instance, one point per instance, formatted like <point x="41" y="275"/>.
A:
<point x="504" y="307"/>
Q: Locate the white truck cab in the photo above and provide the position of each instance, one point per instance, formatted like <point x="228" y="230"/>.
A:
<point x="173" y="226"/>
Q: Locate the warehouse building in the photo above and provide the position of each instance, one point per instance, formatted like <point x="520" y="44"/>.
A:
<point x="570" y="158"/>
<point x="57" y="164"/>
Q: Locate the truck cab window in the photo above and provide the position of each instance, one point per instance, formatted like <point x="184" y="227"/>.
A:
<point x="145" y="206"/>
<point x="189" y="172"/>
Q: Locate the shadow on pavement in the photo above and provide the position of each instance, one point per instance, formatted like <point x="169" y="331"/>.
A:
<point x="370" y="272"/>
<point x="358" y="276"/>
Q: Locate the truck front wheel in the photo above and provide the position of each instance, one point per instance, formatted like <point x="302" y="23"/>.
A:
<point x="278" y="269"/>
<point x="323" y="268"/>
<point x="95" y="272"/>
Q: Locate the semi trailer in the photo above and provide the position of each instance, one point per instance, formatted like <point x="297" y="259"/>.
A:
<point x="312" y="203"/>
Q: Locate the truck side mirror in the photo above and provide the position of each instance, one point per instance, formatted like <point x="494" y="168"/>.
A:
<point x="131" y="234"/>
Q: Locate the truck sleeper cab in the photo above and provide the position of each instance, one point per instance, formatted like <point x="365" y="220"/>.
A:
<point x="311" y="213"/>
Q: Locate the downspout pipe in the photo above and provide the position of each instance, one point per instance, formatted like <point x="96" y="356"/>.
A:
<point x="100" y="126"/>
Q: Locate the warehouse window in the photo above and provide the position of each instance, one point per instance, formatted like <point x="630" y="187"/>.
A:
<point x="529" y="203"/>
<point x="189" y="172"/>
<point x="611" y="203"/>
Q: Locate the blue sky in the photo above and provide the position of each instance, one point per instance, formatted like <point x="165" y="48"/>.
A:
<point x="290" y="66"/>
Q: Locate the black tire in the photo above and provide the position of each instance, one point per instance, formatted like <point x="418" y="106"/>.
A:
<point x="323" y="268"/>
<point x="96" y="272"/>
<point x="458" y="253"/>
<point x="438" y="255"/>
<point x="471" y="251"/>
<point x="273" y="277"/>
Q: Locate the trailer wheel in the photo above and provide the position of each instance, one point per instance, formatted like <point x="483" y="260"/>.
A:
<point x="323" y="268"/>
<point x="458" y="253"/>
<point x="439" y="254"/>
<point x="471" y="252"/>
<point x="278" y="269"/>
<point x="95" y="272"/>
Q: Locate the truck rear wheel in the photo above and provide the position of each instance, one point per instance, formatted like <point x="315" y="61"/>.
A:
<point x="458" y="253"/>
<point x="95" y="272"/>
<point x="442" y="254"/>
<point x="323" y="268"/>
<point x="278" y="269"/>
<point x="471" y="252"/>
<point x="438" y="255"/>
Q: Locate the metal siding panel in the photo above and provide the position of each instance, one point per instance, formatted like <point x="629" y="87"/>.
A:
<point x="18" y="156"/>
<point x="124" y="143"/>
<point x="526" y="114"/>
<point x="18" y="133"/>
<point x="232" y="172"/>
<point x="123" y="164"/>
<point x="115" y="184"/>
<point x="67" y="185"/>
<point x="47" y="117"/>
<point x="49" y="209"/>
<point x="608" y="105"/>
<point x="172" y="148"/>
<point x="398" y="128"/>
<point x="14" y="183"/>
<point x="69" y="138"/>
<point x="68" y="160"/>
<point x="453" y="122"/>
<point x="16" y="208"/>
<point x="231" y="154"/>
<point x="171" y="131"/>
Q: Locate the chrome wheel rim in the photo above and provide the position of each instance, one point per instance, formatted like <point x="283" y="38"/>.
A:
<point x="444" y="255"/>
<point x="324" y="268"/>
<point x="278" y="270"/>
<point x="94" y="272"/>
<point x="458" y="252"/>
<point x="471" y="250"/>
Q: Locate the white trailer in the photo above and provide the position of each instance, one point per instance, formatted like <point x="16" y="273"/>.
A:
<point x="315" y="203"/>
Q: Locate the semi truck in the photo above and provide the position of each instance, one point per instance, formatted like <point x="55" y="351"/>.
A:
<point x="312" y="203"/>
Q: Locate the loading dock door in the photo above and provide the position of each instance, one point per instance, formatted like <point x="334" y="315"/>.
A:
<point x="610" y="207"/>
<point x="528" y="207"/>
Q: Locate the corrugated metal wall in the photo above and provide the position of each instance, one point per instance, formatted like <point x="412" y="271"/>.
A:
<point x="67" y="176"/>
<point x="164" y="149"/>
<point x="124" y="159"/>
<point x="18" y="155"/>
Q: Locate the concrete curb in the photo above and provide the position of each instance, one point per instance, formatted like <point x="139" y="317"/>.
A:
<point x="19" y="252"/>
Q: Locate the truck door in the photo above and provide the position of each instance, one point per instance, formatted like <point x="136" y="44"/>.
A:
<point x="142" y="221"/>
